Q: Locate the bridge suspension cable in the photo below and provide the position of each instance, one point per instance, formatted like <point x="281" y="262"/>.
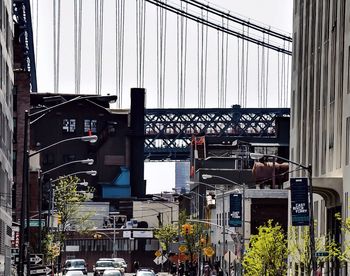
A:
<point x="119" y="44"/>
<point x="161" y="54"/>
<point x="78" y="13"/>
<point x="229" y="30"/>
<point x="140" y="41"/>
<point x="181" y="53"/>
<point x="222" y="47"/>
<point x="56" y="42"/>
<point x="202" y="60"/>
<point x="98" y="44"/>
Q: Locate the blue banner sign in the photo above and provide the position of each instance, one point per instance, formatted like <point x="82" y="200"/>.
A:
<point x="299" y="201"/>
<point x="235" y="219"/>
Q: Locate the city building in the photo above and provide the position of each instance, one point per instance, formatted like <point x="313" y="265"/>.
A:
<point x="320" y="109"/>
<point x="6" y="134"/>
<point x="182" y="175"/>
<point x="221" y="167"/>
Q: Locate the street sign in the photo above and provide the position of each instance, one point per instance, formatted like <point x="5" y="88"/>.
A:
<point x="160" y="260"/>
<point x="299" y="201"/>
<point x="209" y="251"/>
<point x="158" y="253"/>
<point x="43" y="270"/>
<point x="35" y="223"/>
<point x="235" y="219"/>
<point x="182" y="248"/>
<point x="321" y="254"/>
<point x="36" y="259"/>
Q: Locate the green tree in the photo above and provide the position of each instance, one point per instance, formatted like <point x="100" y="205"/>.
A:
<point x="166" y="235"/>
<point x="299" y="248"/>
<point x="267" y="253"/>
<point x="67" y="202"/>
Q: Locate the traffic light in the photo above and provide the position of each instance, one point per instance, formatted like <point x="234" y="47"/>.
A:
<point x="187" y="229"/>
<point x="59" y="219"/>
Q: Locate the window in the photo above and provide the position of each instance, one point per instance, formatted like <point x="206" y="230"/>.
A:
<point x="68" y="158"/>
<point x="68" y="125"/>
<point x="90" y="125"/>
<point x="48" y="159"/>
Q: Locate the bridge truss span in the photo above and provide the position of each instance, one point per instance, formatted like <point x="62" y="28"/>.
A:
<point x="168" y="132"/>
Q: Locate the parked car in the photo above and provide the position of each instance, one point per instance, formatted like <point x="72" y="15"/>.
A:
<point x="101" y="266"/>
<point x="75" y="265"/>
<point x="74" y="273"/>
<point x="112" y="272"/>
<point x="118" y="263"/>
<point x="145" y="272"/>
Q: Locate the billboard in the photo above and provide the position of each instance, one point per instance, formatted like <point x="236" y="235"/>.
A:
<point x="235" y="219"/>
<point x="299" y="201"/>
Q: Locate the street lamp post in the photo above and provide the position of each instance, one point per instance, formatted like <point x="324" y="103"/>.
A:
<point x="311" y="217"/>
<point x="24" y="226"/>
<point x="207" y="176"/>
<point x="223" y="211"/>
<point x="41" y="175"/>
<point x="52" y="196"/>
<point x="114" y="215"/>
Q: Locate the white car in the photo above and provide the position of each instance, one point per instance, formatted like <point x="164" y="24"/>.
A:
<point x="119" y="263"/>
<point x="74" y="273"/>
<point x="102" y="266"/>
<point x="112" y="272"/>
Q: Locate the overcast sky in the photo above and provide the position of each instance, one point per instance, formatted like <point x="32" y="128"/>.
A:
<point x="160" y="176"/>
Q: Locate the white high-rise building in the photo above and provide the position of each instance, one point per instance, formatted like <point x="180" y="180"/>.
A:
<point x="320" y="107"/>
<point x="6" y="133"/>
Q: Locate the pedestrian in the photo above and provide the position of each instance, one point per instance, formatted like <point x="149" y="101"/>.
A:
<point x="173" y="268"/>
<point x="136" y="266"/>
<point x="181" y="269"/>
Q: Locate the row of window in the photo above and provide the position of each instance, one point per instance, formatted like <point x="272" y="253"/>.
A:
<point x="5" y="134"/>
<point x="70" y="125"/>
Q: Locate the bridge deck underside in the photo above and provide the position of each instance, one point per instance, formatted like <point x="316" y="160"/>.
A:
<point x="168" y="132"/>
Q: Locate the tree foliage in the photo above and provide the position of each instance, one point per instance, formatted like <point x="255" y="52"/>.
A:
<point x="67" y="202"/>
<point x="267" y="253"/>
<point x="166" y="235"/>
<point x="299" y="247"/>
<point x="344" y="256"/>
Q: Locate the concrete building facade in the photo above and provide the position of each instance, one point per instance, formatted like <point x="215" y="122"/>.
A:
<point x="6" y="133"/>
<point x="320" y="106"/>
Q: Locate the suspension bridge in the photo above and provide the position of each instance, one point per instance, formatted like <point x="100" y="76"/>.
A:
<point x="198" y="60"/>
